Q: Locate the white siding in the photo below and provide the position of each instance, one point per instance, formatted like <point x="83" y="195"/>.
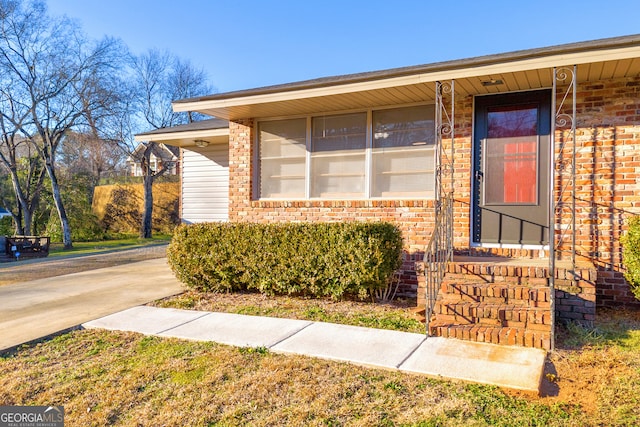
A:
<point x="205" y="184"/>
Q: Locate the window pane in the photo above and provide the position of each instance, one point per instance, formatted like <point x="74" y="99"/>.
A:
<point x="403" y="152"/>
<point x="511" y="149"/>
<point x="511" y="170"/>
<point x="282" y="158"/>
<point x="339" y="133"/>
<point x="518" y="120"/>
<point x="338" y="145"/>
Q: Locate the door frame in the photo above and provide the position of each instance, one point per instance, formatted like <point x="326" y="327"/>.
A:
<point x="474" y="169"/>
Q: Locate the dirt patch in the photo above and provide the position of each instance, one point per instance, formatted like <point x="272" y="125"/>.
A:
<point x="597" y="368"/>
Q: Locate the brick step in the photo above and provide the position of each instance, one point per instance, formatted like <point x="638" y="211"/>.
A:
<point x="473" y="291"/>
<point x="493" y="314"/>
<point x="489" y="270"/>
<point x="503" y="280"/>
<point x="507" y="301"/>
<point x="493" y="334"/>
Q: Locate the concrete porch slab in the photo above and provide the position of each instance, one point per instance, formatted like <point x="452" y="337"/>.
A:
<point x="512" y="367"/>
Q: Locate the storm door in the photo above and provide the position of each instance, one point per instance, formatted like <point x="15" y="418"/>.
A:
<point x="511" y="168"/>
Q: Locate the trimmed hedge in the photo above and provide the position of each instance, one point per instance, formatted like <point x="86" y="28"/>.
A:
<point x="309" y="259"/>
<point x="631" y="255"/>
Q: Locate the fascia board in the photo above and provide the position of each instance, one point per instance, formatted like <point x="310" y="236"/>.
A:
<point x="168" y="136"/>
<point x="561" y="60"/>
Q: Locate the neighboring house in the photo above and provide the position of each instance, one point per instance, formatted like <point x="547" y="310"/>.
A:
<point x="495" y="151"/>
<point x="4" y="212"/>
<point x="161" y="154"/>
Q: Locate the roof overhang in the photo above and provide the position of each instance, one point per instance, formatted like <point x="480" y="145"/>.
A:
<point x="205" y="132"/>
<point x="522" y="70"/>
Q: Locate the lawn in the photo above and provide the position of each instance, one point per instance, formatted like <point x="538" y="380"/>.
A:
<point x="112" y="378"/>
<point x="398" y="315"/>
<point x="87" y="248"/>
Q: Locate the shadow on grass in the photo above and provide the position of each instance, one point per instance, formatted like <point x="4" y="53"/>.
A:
<point x="612" y="327"/>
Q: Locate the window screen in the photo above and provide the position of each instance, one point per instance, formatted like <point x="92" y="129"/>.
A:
<point x="282" y="158"/>
<point x="338" y="149"/>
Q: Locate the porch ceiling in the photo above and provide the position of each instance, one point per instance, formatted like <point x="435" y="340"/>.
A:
<point x="519" y="71"/>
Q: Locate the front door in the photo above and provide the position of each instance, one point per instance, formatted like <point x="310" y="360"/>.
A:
<point x="511" y="168"/>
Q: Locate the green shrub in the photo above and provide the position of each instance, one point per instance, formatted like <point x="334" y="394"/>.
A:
<point x="631" y="255"/>
<point x="313" y="259"/>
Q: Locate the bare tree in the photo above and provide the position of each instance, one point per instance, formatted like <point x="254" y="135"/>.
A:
<point x="85" y="152"/>
<point x="55" y="75"/>
<point x="16" y="150"/>
<point x="18" y="158"/>
<point x="161" y="78"/>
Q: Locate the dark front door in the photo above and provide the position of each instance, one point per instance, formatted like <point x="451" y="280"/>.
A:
<point x="511" y="168"/>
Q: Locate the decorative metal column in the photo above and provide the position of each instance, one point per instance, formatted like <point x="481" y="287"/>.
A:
<point x="439" y="251"/>
<point x="445" y="110"/>
<point x="562" y="206"/>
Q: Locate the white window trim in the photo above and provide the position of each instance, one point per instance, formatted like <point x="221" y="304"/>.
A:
<point x="368" y="158"/>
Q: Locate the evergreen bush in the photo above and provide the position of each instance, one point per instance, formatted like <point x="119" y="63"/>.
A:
<point x="631" y="255"/>
<point x="310" y="259"/>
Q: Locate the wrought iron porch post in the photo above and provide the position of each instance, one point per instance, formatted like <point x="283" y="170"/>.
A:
<point x="562" y="177"/>
<point x="444" y="130"/>
<point x="440" y="248"/>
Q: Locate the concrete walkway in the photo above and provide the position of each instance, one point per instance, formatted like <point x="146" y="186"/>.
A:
<point x="509" y="367"/>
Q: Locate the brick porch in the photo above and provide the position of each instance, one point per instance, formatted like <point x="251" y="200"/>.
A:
<point x="507" y="300"/>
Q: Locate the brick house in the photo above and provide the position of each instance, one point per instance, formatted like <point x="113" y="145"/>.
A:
<point x="476" y="160"/>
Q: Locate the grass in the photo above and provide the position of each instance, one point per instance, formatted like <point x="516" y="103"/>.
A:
<point x="113" y="378"/>
<point x="109" y="378"/>
<point x="87" y="248"/>
<point x="397" y="316"/>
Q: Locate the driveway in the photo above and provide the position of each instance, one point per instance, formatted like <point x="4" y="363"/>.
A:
<point x="38" y="308"/>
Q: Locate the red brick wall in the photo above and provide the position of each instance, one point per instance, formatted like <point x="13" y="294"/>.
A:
<point x="607" y="179"/>
<point x="608" y="170"/>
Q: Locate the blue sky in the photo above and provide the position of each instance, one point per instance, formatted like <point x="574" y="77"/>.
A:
<point x="244" y="44"/>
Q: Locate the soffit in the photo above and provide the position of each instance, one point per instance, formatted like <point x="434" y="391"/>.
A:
<point x="518" y="75"/>
<point x="213" y="131"/>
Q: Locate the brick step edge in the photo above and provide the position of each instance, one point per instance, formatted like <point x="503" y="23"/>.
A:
<point x="484" y="269"/>
<point x="497" y="279"/>
<point x="480" y="291"/>
<point x="486" y="272"/>
<point x="500" y="312"/>
<point x="494" y="335"/>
